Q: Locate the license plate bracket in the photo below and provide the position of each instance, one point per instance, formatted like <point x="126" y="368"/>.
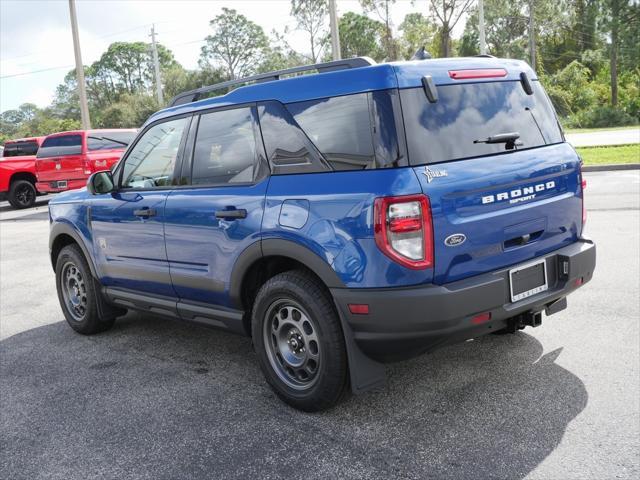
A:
<point x="528" y="280"/>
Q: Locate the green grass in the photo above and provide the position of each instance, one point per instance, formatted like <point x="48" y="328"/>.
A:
<point x="604" y="129"/>
<point x="610" y="155"/>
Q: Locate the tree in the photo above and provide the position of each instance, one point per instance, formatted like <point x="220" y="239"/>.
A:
<point x="361" y="36"/>
<point x="311" y="17"/>
<point x="620" y="20"/>
<point x="506" y="29"/>
<point x="279" y="55"/>
<point x="417" y="31"/>
<point x="237" y="43"/>
<point x="448" y="13"/>
<point x="382" y="9"/>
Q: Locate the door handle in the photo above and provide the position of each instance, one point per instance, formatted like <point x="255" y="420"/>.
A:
<point x="145" y="212"/>
<point x="231" y="214"/>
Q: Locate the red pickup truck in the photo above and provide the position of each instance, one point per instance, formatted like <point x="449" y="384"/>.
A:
<point x="65" y="160"/>
<point x="18" y="171"/>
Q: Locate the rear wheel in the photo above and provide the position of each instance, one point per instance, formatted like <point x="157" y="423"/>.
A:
<point x="299" y="341"/>
<point x="22" y="194"/>
<point x="77" y="293"/>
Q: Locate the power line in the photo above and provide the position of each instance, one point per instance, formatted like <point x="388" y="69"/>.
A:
<point x="36" y="71"/>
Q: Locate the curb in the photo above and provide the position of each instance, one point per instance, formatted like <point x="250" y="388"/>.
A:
<point x="606" y="168"/>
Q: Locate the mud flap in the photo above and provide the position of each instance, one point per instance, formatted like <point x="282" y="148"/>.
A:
<point x="106" y="310"/>
<point x="365" y="374"/>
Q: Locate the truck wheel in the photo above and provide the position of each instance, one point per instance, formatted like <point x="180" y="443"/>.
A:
<point x="22" y="194"/>
<point x="77" y="293"/>
<point x="299" y="341"/>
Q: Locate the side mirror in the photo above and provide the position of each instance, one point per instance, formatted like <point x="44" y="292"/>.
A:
<point x="100" y="182"/>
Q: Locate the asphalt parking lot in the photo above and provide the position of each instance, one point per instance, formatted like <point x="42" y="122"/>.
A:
<point x="154" y="398"/>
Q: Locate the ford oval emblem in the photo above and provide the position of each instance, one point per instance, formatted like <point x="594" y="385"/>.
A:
<point x="455" y="239"/>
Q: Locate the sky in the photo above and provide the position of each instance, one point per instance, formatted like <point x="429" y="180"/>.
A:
<point x="36" y="47"/>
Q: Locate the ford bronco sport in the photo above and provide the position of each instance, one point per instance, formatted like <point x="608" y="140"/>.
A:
<point x="364" y="213"/>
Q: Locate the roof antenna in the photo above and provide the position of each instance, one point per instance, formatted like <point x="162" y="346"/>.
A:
<point x="421" y="54"/>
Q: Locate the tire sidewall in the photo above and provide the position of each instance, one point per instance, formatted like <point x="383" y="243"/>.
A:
<point x="330" y="365"/>
<point x="70" y="254"/>
<point x="13" y="190"/>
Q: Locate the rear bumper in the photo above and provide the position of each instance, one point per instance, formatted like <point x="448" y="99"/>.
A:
<point x="405" y="322"/>
<point x="54" y="186"/>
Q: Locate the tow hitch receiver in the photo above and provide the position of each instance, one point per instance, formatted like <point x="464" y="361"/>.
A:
<point x="526" y="319"/>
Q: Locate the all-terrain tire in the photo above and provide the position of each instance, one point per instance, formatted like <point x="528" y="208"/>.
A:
<point x="299" y="341"/>
<point x="79" y="298"/>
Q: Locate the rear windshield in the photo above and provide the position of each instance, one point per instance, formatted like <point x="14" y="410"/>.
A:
<point x="109" y="140"/>
<point x="447" y="129"/>
<point x="60" y="146"/>
<point x="18" y="149"/>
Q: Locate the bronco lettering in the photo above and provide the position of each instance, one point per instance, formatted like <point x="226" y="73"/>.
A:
<point x="515" y="196"/>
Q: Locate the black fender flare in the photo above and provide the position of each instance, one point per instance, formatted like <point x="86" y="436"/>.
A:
<point x="282" y="248"/>
<point x="61" y="228"/>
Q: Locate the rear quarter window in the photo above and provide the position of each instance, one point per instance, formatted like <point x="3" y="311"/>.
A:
<point x="353" y="132"/>
<point x="350" y="132"/>
<point x="60" y="146"/>
<point x="449" y="128"/>
<point x="18" y="149"/>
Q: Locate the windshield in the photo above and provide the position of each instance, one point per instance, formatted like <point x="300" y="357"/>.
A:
<point x="109" y="140"/>
<point x="451" y="128"/>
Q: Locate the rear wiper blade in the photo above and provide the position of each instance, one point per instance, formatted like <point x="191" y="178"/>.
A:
<point x="507" y="138"/>
<point x="500" y="138"/>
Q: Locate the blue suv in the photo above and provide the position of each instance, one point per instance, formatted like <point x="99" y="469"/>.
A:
<point x="360" y="214"/>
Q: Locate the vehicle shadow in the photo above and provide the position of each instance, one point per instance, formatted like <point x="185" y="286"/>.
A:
<point x="40" y="202"/>
<point x="155" y="398"/>
<point x="28" y="216"/>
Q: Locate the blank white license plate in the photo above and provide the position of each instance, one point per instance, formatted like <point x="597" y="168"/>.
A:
<point x="528" y="280"/>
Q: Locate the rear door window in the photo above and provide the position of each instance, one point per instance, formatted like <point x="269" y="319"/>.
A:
<point x="225" y="150"/>
<point x="60" y="146"/>
<point x="466" y="114"/>
<point x="109" y="140"/>
<point x="18" y="149"/>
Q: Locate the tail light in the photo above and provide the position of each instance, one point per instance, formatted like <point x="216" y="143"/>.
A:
<point x="403" y="230"/>
<point x="583" y="185"/>
<point x="86" y="167"/>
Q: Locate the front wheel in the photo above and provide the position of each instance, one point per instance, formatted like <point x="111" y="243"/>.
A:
<point x="77" y="293"/>
<point x="22" y="194"/>
<point x="299" y="341"/>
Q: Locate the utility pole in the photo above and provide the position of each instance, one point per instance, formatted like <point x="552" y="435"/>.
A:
<point x="532" y="37"/>
<point x="156" y="65"/>
<point x="82" y="89"/>
<point x="335" y="36"/>
<point x="483" y="42"/>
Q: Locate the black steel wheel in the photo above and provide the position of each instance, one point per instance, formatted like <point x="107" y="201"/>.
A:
<point x="22" y="194"/>
<point x="299" y="341"/>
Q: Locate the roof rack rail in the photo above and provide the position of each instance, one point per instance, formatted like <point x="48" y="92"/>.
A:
<point x="484" y="55"/>
<point x="194" y="95"/>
